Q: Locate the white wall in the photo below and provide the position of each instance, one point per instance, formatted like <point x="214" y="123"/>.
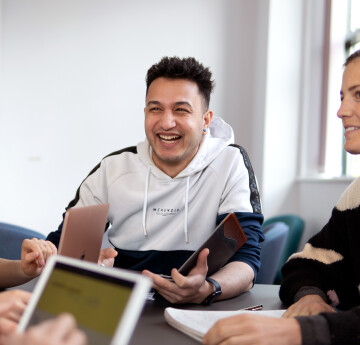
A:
<point x="72" y="91"/>
<point x="316" y="201"/>
<point x="282" y="108"/>
<point x="292" y="116"/>
<point x="73" y="86"/>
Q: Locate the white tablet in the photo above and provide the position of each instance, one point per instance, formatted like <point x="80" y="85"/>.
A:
<point x="106" y="302"/>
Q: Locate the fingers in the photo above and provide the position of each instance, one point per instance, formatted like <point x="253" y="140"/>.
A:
<point x="107" y="257"/>
<point x="239" y="329"/>
<point x="307" y="306"/>
<point x="62" y="326"/>
<point x="13" y="304"/>
<point x="181" y="290"/>
<point x="196" y="276"/>
<point x="52" y="248"/>
<point x="254" y="329"/>
<point x="59" y="331"/>
<point x="7" y="326"/>
<point x="16" y="312"/>
<point x="15" y="295"/>
<point x="184" y="289"/>
<point x="203" y="255"/>
<point x="217" y="333"/>
<point x="158" y="281"/>
<point x="110" y="252"/>
<point x="293" y="311"/>
<point x="35" y="252"/>
<point x="164" y="287"/>
<point x="5" y="307"/>
<point x="201" y="264"/>
<point x="11" y="309"/>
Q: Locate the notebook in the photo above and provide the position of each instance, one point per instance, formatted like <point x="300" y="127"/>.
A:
<point x="196" y="323"/>
<point x="82" y="232"/>
<point x="106" y="302"/>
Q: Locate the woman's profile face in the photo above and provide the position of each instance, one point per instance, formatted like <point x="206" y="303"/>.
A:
<point x="349" y="111"/>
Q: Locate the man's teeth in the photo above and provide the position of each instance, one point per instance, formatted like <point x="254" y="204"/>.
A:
<point x="170" y="138"/>
<point x="351" y="129"/>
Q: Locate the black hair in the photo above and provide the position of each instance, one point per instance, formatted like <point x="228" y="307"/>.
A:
<point x="187" y="68"/>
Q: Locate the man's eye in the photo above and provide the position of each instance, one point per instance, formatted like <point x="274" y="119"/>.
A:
<point x="154" y="109"/>
<point x="357" y="94"/>
<point x="183" y="110"/>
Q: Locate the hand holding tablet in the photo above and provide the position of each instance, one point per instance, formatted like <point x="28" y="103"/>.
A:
<point x="223" y="242"/>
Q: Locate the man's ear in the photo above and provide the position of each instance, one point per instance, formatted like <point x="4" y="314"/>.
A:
<point x="208" y="116"/>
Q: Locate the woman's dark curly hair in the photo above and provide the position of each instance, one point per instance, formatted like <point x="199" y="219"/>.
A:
<point x="186" y="68"/>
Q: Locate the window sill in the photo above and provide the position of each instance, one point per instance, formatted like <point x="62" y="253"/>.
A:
<point x="325" y="179"/>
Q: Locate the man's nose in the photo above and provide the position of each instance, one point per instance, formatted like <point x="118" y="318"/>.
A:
<point x="168" y="120"/>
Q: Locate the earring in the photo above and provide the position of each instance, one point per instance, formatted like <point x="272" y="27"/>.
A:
<point x="204" y="130"/>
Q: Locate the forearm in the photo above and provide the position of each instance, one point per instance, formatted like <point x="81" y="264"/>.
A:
<point x="11" y="273"/>
<point x="314" y="330"/>
<point x="331" y="328"/>
<point x="235" y="277"/>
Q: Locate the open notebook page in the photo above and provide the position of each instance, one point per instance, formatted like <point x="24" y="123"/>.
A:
<point x="196" y="323"/>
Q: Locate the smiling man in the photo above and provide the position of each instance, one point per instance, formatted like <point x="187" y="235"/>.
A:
<point x="176" y="119"/>
<point x="168" y="193"/>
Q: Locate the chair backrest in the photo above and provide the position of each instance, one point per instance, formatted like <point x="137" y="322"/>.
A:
<point x="296" y="229"/>
<point x="271" y="251"/>
<point x="11" y="238"/>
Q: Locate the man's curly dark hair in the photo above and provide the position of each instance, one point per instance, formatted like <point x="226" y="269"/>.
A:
<point x="187" y="68"/>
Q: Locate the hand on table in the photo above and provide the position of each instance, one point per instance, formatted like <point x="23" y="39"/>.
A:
<point x="107" y="257"/>
<point x="59" y="331"/>
<point x="34" y="254"/>
<point x="12" y="306"/>
<point x="192" y="288"/>
<point x="307" y="306"/>
<point x="248" y="329"/>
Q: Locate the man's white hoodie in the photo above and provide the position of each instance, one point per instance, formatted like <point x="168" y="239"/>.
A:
<point x="156" y="221"/>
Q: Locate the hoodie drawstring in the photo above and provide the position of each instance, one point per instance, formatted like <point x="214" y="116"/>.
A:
<point x="186" y="209"/>
<point x="145" y="199"/>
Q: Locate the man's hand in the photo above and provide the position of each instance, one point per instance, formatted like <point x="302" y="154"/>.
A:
<point x="59" y="331"/>
<point x="308" y="305"/>
<point x="107" y="257"/>
<point x="34" y="254"/>
<point x="12" y="306"/>
<point x="7" y="326"/>
<point x="248" y="329"/>
<point x="192" y="288"/>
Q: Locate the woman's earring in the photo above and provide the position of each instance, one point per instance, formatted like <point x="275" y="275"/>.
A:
<point x="204" y="130"/>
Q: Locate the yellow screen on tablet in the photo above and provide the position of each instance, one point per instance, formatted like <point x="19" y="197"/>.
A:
<point x="96" y="301"/>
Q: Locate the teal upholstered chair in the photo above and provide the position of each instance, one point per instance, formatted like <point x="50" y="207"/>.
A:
<point x="271" y="251"/>
<point x="11" y="238"/>
<point x="296" y="229"/>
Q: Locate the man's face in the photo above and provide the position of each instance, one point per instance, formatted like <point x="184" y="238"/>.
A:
<point x="349" y="111"/>
<point x="174" y="121"/>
